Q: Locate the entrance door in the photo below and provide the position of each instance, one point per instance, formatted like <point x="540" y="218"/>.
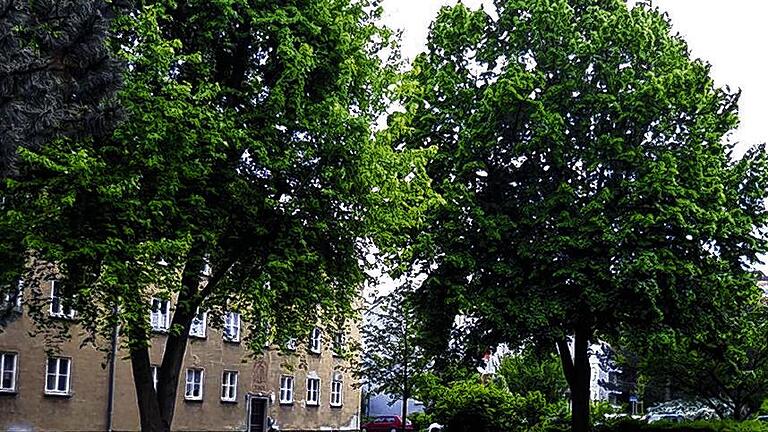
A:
<point x="257" y="415"/>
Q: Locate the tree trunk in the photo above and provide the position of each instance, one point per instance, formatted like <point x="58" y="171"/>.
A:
<point x="149" y="409"/>
<point x="168" y="376"/>
<point x="577" y="372"/>
<point x="175" y="348"/>
<point x="406" y="394"/>
<point x="157" y="407"/>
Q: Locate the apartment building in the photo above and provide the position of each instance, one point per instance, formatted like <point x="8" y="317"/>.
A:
<point x="223" y="386"/>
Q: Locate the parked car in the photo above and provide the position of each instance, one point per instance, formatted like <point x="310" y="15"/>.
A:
<point x="387" y="424"/>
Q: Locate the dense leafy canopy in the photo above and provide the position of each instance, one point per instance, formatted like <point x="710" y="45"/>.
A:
<point x="588" y="179"/>
<point x="245" y="177"/>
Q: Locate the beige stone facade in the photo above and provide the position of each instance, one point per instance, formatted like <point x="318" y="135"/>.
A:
<point x="77" y="399"/>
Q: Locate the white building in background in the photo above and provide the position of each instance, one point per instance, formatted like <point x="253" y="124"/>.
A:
<point x="604" y="375"/>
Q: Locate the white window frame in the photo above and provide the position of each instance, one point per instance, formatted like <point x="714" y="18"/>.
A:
<point x="199" y="324"/>
<point x="9" y="362"/>
<point x="337" y="389"/>
<point x="57" y="374"/>
<point x="160" y="318"/>
<point x="229" y="380"/>
<point x="189" y="384"/>
<point x="231" y="324"/>
<point x="287" y="384"/>
<point x="316" y="341"/>
<point x="313" y="390"/>
<point x="61" y="310"/>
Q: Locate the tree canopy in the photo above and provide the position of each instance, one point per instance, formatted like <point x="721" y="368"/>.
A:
<point x="588" y="179"/>
<point x="245" y="177"/>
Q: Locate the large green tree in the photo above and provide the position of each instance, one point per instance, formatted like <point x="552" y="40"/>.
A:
<point x="589" y="182"/>
<point x="244" y="177"/>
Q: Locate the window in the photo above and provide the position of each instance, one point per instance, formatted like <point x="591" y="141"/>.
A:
<point x="57" y="376"/>
<point x="12" y="299"/>
<point x="154" y="375"/>
<point x="8" y="372"/>
<point x="229" y="386"/>
<point x="337" y="389"/>
<point x="160" y="315"/>
<point x="313" y="391"/>
<point x="339" y="343"/>
<point x="291" y="344"/>
<point x="59" y="308"/>
<point x="193" y="390"/>
<point x="197" y="329"/>
<point x="316" y="341"/>
<point x="232" y="327"/>
<point x="286" y="389"/>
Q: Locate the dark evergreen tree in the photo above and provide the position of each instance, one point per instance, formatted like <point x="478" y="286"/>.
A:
<point x="57" y="76"/>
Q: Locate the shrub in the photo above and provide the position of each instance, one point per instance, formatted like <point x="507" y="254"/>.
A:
<point x="469" y="406"/>
<point x="629" y="425"/>
<point x="421" y="420"/>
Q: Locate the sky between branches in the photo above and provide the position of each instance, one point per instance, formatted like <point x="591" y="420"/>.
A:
<point x="730" y="35"/>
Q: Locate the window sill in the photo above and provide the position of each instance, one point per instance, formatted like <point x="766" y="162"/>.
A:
<point x="203" y="337"/>
<point x="229" y="401"/>
<point x="232" y="341"/>
<point x="337" y="406"/>
<point x="57" y="394"/>
<point x="195" y="400"/>
<point x="317" y="353"/>
<point x="286" y="403"/>
<point x="313" y="404"/>
<point x="9" y="392"/>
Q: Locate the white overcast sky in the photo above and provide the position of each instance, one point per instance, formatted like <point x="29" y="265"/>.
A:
<point x="729" y="34"/>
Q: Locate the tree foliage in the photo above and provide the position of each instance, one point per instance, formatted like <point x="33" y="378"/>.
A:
<point x="725" y="366"/>
<point x="393" y="360"/>
<point x="244" y="177"/>
<point x="528" y="372"/>
<point x="471" y="406"/>
<point x="57" y="76"/>
<point x="589" y="184"/>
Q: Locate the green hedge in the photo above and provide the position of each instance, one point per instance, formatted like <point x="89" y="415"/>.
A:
<point x="469" y="406"/>
<point x="626" y="425"/>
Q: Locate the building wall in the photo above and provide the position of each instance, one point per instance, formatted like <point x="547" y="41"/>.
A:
<point x="29" y="408"/>
<point x="85" y="408"/>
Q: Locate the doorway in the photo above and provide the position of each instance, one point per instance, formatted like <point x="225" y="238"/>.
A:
<point x="257" y="414"/>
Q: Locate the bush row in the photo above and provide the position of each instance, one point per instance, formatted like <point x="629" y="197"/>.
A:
<point x="627" y="425"/>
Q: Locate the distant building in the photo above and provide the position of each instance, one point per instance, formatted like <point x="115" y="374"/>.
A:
<point x="604" y="378"/>
<point x="221" y="388"/>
